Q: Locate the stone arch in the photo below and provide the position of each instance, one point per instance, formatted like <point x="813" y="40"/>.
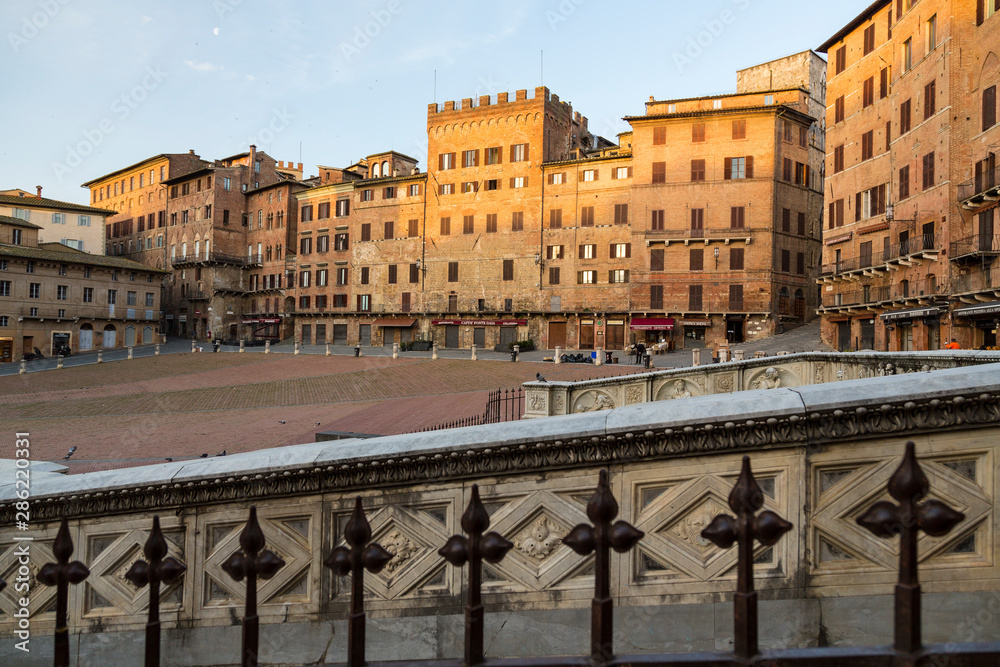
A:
<point x="677" y="388"/>
<point x="990" y="71"/>
<point x="771" y="377"/>
<point x="592" y="401"/>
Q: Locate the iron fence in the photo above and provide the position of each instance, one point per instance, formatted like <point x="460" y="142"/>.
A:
<point x="502" y="405"/>
<point x="908" y="516"/>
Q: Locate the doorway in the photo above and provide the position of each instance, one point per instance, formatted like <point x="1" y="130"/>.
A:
<point x="586" y="334"/>
<point x="307" y="334"/>
<point x="147" y="335"/>
<point x="365" y="335"/>
<point x="734" y="330"/>
<point x="388" y="336"/>
<point x="479" y="337"/>
<point x="867" y="335"/>
<point x="615" y="336"/>
<point x="27" y="345"/>
<point x="451" y="335"/>
<point x="109" y="339"/>
<point x="340" y="334"/>
<point x="86" y="337"/>
<point x="6" y="350"/>
<point x="130" y="336"/>
<point x="508" y="336"/>
<point x="843" y="336"/>
<point x="557" y="335"/>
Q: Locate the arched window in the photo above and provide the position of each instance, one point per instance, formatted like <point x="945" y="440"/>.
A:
<point x="385" y="169"/>
<point x="799" y="305"/>
<point x="375" y="170"/>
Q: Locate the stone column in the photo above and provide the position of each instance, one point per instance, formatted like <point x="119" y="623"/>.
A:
<point x="297" y="347"/>
<point x="760" y="354"/>
<point x="156" y="350"/>
<point x="517" y="353"/>
<point x="267" y="347"/>
<point x="434" y="351"/>
<point x="557" y="359"/>
<point x="242" y="346"/>
<point x="59" y="361"/>
<point x="24" y="367"/>
<point x="474" y="358"/>
<point x="696" y="356"/>
<point x="395" y="350"/>
<point x="130" y="353"/>
<point x="100" y="356"/>
<point x="739" y="355"/>
<point x="599" y="357"/>
<point x="194" y="345"/>
<point x="328" y="349"/>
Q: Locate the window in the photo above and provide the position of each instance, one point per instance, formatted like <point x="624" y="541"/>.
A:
<point x="365" y="275"/>
<point x="320" y="305"/>
<point x="304" y="302"/>
<point x="29" y="267"/>
<point x="840" y="60"/>
<point x="392" y="274"/>
<point x="508" y="269"/>
<point x="739" y="129"/>
<point x="305" y="246"/>
<point x="517" y="221"/>
<point x="470" y="186"/>
<point x="904" y="117"/>
<point x="493" y="184"/>
<point x="586" y="277"/>
<point x="697" y="259"/>
<point x="656" y="259"/>
<point x="656" y="297"/>
<point x="414" y="189"/>
<point x="307" y="213"/>
<point x="304" y="278"/>
<point x="519" y="182"/>
<point x="838" y="159"/>
<point x="59" y="219"/>
<point x="868" y="92"/>
<point x="659" y="172"/>
<point x="447" y="188"/>
<point x="494" y="155"/>
<point x="621" y="214"/>
<point x="342" y="276"/>
<point x="491" y="223"/>
<point x="404" y="304"/>
<point x="323" y="211"/>
<point x="836" y="217"/>
<point x="904" y="182"/>
<point x="928" y="170"/>
<point x="736" y="259"/>
<point x="786" y="220"/>
<point x="588" y="251"/>
<point x="15" y="237"/>
<point x="587" y="216"/>
<point x="590" y="174"/>
<point x="620" y="250"/>
<point x="985" y="9"/>
<point x="803" y="137"/>
<point x="445" y="226"/>
<point x="930" y="33"/>
<point x="698" y="133"/>
<point x="787" y="131"/>
<point x="738" y="167"/>
<point x="908" y="54"/>
<point x="519" y="152"/>
<point x="553" y="275"/>
<point x="786" y="169"/>
<point x="621" y="172"/>
<point x="453" y="272"/>
<point x="618" y="276"/>
<point x="343" y="208"/>
<point x="989" y="107"/>
<point x="388" y="228"/>
<point x="322" y="243"/>
<point x="694" y="297"/>
<point x="736" y="297"/>
<point x="786" y="261"/>
<point x="698" y="222"/>
<point x="34" y="290"/>
<point x="414" y="273"/>
<point x="737" y="217"/>
<point x="366" y="231"/>
<point x="468" y="224"/>
<point x="340" y="301"/>
<point x="4" y="288"/>
<point x="869" y="45"/>
<point x="660" y="135"/>
<point x="868" y="145"/>
<point x="367" y="195"/>
<point x="340" y="241"/>
<point x="800" y="263"/>
<point x="470" y="158"/>
<point x="929" y="99"/>
<point x="553" y="252"/>
<point x="446" y="161"/>
<point x="883" y="86"/>
<point x="555" y="218"/>
<point x="656" y="219"/>
<point x="62" y="292"/>
<point x="801" y="224"/>
<point x="697" y="170"/>
<point x="88" y="294"/>
<point x="870" y="203"/>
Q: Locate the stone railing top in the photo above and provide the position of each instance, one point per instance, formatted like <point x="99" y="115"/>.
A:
<point x="783" y="417"/>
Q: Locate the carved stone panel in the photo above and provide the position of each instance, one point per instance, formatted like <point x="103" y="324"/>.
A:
<point x="771" y="377"/>
<point x="592" y="401"/>
<point x="677" y="388"/>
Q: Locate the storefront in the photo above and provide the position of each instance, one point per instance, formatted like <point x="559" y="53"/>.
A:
<point x="736" y="328"/>
<point x="901" y="329"/>
<point x="498" y="334"/>
<point x="395" y="329"/>
<point x="264" y="328"/>
<point x="694" y="332"/>
<point x="6" y="349"/>
<point x="984" y="317"/>
<point x="652" y="330"/>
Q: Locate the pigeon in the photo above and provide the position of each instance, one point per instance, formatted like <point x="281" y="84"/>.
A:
<point x="203" y="456"/>
<point x="70" y="452"/>
<point x="222" y="453"/>
<point x="538" y="376"/>
<point x="168" y="459"/>
<point x="281" y="421"/>
<point x="317" y="423"/>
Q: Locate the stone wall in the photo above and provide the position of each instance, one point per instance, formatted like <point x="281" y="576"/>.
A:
<point x="821" y="453"/>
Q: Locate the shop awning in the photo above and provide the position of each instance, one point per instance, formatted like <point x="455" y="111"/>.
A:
<point x="652" y="323"/>
<point x="262" y="320"/>
<point x="395" y="322"/>
<point x="910" y="313"/>
<point x="988" y="308"/>
<point x="482" y="323"/>
<point x="696" y="323"/>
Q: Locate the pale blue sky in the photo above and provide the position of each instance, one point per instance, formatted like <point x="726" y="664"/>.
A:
<point x="96" y="85"/>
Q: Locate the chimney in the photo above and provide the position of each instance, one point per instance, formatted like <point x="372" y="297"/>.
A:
<point x="39" y="188"/>
<point x="190" y="151"/>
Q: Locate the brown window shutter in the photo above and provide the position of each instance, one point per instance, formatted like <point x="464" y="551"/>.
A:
<point x="549" y="180"/>
<point x="511" y="181"/>
<point x="525" y="181"/>
<point x="597" y="174"/>
<point x="440" y="161"/>
<point x="512" y="152"/>
<point x="981" y="11"/>
<point x="628" y="250"/>
<point x="727" y="168"/>
<point x="630" y="172"/>
<point x="499" y="154"/>
<point x="832" y="217"/>
<point x="857" y="206"/>
<point x="614" y="173"/>
<point x="749" y="166"/>
<point x="580" y="255"/>
<point x="527" y="148"/>
<point x="475" y="159"/>
<point x="611" y="251"/>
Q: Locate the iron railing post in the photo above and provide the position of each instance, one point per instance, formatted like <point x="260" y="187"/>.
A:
<point x="61" y="574"/>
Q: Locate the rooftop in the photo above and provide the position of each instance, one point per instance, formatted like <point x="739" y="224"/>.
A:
<point x="56" y="252"/>
<point x="17" y="222"/>
<point x="850" y="27"/>
<point x="43" y="202"/>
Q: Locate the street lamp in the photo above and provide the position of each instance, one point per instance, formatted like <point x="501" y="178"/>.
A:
<point x="716" y="256"/>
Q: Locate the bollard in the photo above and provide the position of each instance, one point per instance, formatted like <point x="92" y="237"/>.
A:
<point x="599" y="357"/>
<point x="395" y="350"/>
<point x="556" y="359"/>
<point x="297" y="347"/>
<point x="781" y="353"/>
<point x="696" y="356"/>
<point x="24" y="367"/>
<point x="194" y="345"/>
<point x="100" y="356"/>
<point x="515" y="352"/>
<point x="760" y="354"/>
<point x="434" y="351"/>
<point x="647" y="360"/>
<point x="59" y="361"/>
<point x="474" y="358"/>
<point x="357" y="350"/>
<point x="328" y="349"/>
<point x="156" y="351"/>
<point x="738" y="355"/>
<point x="242" y="343"/>
<point x="723" y="354"/>
<point x="267" y="347"/>
<point x="130" y="353"/>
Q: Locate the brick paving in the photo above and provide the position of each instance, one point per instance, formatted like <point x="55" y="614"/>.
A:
<point x="184" y="405"/>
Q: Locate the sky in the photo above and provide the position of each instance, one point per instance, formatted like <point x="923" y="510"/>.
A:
<point x="96" y="85"/>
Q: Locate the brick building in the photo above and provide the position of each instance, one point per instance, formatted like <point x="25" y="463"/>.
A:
<point x="53" y="296"/>
<point x="911" y="189"/>
<point x="73" y="225"/>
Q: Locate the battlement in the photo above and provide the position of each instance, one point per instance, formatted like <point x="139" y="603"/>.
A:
<point x="541" y="94"/>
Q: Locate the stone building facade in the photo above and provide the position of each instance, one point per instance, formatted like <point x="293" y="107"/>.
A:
<point x="911" y="190"/>
<point x="73" y="225"/>
<point x="53" y="296"/>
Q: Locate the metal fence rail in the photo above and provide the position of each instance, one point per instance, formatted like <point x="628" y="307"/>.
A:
<point x="503" y="405"/>
<point x="909" y="515"/>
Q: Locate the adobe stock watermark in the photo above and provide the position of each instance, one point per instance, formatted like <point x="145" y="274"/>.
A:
<point x="121" y="108"/>
<point x="31" y="25"/>
<point x="562" y="13"/>
<point x="278" y="123"/>
<point x="364" y="33"/>
<point x="223" y="7"/>
<point x="713" y="30"/>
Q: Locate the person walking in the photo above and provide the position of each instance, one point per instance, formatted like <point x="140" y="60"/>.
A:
<point x="640" y="350"/>
<point x="953" y="345"/>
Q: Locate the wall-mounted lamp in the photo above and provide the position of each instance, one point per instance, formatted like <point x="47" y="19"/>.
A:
<point x="538" y="258"/>
<point x="716" y="256"/>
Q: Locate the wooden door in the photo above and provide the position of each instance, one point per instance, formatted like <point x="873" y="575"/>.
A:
<point x="557" y="335"/>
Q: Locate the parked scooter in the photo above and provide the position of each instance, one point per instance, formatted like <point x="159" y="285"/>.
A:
<point x="29" y="356"/>
<point x="62" y="351"/>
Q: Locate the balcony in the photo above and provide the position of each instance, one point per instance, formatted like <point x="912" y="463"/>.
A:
<point x="687" y="236"/>
<point x="180" y="261"/>
<point x="977" y="285"/>
<point x="980" y="191"/>
<point x="196" y="296"/>
<point x="86" y="312"/>
<point x="975" y="248"/>
<point x="909" y="252"/>
<point x="921" y="292"/>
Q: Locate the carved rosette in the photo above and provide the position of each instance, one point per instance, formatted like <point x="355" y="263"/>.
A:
<point x="539" y="539"/>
